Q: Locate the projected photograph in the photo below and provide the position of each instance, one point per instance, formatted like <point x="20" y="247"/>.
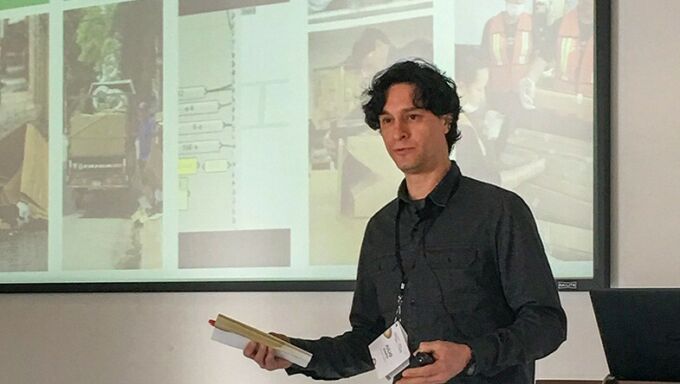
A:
<point x="113" y="123"/>
<point x="236" y="199"/>
<point x="526" y="86"/>
<point x="23" y="143"/>
<point x="351" y="175"/>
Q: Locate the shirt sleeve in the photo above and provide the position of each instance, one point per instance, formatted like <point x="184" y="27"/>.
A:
<point x="530" y="291"/>
<point x="347" y="355"/>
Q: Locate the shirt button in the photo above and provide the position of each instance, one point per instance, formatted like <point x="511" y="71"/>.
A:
<point x="413" y="302"/>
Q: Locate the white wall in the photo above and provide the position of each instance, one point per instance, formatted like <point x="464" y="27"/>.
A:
<point x="646" y="144"/>
<point x="164" y="338"/>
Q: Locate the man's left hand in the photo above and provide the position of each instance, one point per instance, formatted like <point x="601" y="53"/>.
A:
<point x="449" y="360"/>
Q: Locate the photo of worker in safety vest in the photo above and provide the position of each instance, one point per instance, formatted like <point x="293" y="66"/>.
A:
<point x="508" y="45"/>
<point x="527" y="121"/>
<point x="565" y="63"/>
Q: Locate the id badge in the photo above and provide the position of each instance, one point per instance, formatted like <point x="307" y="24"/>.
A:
<point x="390" y="352"/>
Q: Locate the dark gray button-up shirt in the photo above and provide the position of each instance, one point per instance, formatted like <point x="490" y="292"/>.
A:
<point x="477" y="274"/>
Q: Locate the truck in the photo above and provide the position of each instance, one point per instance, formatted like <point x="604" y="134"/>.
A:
<point x="101" y="152"/>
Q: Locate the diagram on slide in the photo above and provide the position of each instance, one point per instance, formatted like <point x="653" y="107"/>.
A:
<point x="230" y="115"/>
<point x="207" y="133"/>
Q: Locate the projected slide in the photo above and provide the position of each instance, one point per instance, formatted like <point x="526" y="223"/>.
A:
<point x="24" y="191"/>
<point x="113" y="126"/>
<point x="224" y="140"/>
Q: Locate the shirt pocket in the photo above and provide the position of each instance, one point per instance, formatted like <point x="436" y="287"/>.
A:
<point x="467" y="294"/>
<point x="458" y="270"/>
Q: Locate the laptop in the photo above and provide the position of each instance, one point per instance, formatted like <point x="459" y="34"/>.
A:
<point x="640" y="331"/>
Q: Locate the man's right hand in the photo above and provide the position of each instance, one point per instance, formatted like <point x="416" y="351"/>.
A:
<point x="264" y="356"/>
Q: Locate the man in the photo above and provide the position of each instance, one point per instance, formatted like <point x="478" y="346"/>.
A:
<point x="571" y="51"/>
<point x="481" y="127"/>
<point x="463" y="257"/>
<point x="146" y="132"/>
<point x="508" y="44"/>
<point x="574" y="52"/>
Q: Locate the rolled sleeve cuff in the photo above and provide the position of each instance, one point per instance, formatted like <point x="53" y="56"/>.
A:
<point x="483" y="349"/>
<point x="306" y="345"/>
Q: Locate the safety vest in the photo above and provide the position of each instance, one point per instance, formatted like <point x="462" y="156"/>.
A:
<point x="574" y="60"/>
<point x="505" y="71"/>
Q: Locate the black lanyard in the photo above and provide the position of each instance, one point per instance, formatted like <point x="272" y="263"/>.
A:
<point x="397" y="247"/>
<point x="397" y="254"/>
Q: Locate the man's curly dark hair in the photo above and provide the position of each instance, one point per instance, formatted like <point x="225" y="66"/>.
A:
<point x="433" y="91"/>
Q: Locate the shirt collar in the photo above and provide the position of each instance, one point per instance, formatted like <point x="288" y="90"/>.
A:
<point x="441" y="193"/>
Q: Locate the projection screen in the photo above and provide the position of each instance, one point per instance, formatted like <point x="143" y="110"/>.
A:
<point x="216" y="144"/>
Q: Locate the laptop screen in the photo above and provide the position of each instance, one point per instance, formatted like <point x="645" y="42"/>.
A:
<point x="640" y="331"/>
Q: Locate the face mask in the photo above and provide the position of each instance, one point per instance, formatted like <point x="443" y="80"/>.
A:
<point x="512" y="9"/>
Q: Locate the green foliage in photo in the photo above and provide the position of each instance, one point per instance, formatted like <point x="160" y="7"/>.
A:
<point x="9" y="4"/>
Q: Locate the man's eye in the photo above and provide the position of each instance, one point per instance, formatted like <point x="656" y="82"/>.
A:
<point x="385" y="120"/>
<point x="413" y="116"/>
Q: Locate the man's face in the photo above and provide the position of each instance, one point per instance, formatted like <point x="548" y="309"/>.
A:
<point x="541" y="6"/>
<point x="414" y="137"/>
<point x="513" y="8"/>
<point x="474" y="93"/>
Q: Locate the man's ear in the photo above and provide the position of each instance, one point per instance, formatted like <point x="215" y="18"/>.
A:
<point x="446" y="121"/>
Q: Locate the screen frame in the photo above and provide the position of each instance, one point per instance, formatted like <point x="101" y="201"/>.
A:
<point x="601" y="212"/>
<point x="602" y="158"/>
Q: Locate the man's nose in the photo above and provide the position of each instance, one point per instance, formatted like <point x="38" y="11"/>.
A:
<point x="401" y="129"/>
